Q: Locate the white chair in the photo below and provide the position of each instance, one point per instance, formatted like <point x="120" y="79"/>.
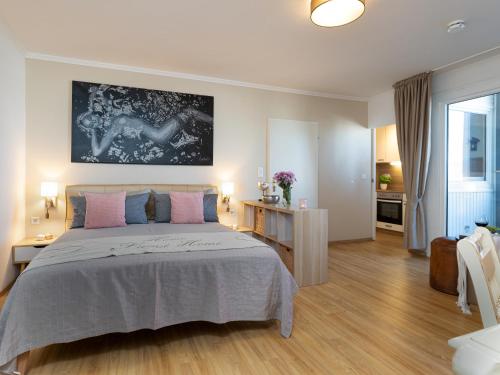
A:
<point x="481" y="258"/>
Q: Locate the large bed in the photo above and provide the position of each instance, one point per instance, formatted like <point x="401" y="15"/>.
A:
<point x="71" y="300"/>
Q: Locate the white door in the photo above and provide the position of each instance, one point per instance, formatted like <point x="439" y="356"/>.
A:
<point x="293" y="146"/>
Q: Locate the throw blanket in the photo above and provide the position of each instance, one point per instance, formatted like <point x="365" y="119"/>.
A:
<point x="73" y="251"/>
<point x="78" y="299"/>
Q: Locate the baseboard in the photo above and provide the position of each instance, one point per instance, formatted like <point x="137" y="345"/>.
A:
<point x="393" y="232"/>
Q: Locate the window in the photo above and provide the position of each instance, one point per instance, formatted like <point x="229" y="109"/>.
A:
<point x="472" y="128"/>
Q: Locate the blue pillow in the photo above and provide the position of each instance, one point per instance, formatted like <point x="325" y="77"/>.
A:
<point x="135" y="208"/>
<point x="210" y="208"/>
<point x="79" y="208"/>
<point x="163" y="207"/>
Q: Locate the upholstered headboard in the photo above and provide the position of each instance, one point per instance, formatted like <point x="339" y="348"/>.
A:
<point x="72" y="190"/>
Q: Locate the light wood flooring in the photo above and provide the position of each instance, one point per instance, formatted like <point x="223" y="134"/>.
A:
<point x="376" y="315"/>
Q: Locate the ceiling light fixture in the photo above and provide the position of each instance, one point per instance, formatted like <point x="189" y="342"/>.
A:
<point x="330" y="13"/>
<point x="456" y="26"/>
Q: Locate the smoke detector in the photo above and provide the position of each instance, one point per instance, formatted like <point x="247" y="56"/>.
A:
<point x="456" y="26"/>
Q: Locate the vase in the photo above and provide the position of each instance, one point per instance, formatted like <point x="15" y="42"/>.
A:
<point x="287" y="195"/>
<point x="383" y="186"/>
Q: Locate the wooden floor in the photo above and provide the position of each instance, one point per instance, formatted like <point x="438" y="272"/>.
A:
<point x="377" y="315"/>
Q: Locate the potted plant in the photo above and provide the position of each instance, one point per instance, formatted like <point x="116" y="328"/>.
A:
<point x="385" y="179"/>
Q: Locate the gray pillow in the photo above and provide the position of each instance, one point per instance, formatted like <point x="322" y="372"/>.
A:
<point x="79" y="208"/>
<point x="162" y="207"/>
<point x="135" y="208"/>
<point x="210" y="208"/>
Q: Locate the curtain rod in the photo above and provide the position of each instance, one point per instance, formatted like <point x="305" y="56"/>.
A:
<point x="465" y="59"/>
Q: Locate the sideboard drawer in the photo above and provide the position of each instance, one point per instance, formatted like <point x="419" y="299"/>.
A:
<point x="286" y="255"/>
<point x="260" y="225"/>
<point x="26" y="253"/>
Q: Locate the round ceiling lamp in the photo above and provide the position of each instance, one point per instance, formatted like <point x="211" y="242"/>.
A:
<point x="330" y="13"/>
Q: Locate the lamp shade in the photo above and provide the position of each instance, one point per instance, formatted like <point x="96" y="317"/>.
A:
<point x="48" y="189"/>
<point x="331" y="13"/>
<point x="228" y="188"/>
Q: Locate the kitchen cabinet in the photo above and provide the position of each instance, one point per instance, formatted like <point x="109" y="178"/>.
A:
<point x="387" y="144"/>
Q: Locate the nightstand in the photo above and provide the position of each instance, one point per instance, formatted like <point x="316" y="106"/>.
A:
<point x="27" y="249"/>
<point x="241" y="229"/>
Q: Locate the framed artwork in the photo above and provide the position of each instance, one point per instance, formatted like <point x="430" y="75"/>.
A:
<point x="126" y="125"/>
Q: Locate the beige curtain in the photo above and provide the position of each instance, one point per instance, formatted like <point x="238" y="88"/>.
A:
<point x="412" y="102"/>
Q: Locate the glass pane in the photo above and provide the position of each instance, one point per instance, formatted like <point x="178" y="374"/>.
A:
<point x="472" y="127"/>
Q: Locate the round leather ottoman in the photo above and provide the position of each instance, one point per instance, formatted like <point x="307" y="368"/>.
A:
<point x="443" y="273"/>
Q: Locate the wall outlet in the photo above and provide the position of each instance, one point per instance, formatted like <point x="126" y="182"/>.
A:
<point x="35" y="220"/>
<point x="260" y="172"/>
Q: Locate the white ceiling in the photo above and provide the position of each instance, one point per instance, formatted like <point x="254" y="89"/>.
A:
<point x="269" y="42"/>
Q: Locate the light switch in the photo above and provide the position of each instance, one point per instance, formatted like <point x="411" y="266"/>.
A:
<point x="35" y="220"/>
<point x="260" y="172"/>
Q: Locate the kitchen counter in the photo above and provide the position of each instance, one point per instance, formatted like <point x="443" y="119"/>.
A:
<point x="395" y="190"/>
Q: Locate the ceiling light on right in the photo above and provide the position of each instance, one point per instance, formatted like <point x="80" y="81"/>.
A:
<point x="330" y="13"/>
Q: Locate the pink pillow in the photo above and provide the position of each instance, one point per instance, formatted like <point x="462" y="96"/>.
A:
<point x="105" y="210"/>
<point x="187" y="208"/>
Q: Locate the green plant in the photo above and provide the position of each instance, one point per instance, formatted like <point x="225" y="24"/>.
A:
<point x="492" y="229"/>
<point x="385" y="178"/>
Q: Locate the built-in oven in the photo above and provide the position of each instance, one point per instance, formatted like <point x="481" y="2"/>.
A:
<point x="391" y="210"/>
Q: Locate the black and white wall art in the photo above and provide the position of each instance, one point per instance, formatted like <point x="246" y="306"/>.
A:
<point x="125" y="125"/>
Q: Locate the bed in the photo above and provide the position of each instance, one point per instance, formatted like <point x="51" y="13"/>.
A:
<point x="72" y="300"/>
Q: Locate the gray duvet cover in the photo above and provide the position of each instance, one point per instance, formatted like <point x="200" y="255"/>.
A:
<point x="70" y="301"/>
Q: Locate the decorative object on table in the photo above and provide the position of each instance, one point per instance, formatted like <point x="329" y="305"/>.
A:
<point x="303" y="203"/>
<point x="44" y="237"/>
<point x="266" y="197"/>
<point x="263" y="186"/>
<point x="271" y="198"/>
<point x="285" y="180"/>
<point x="385" y="179"/>
<point x="125" y="125"/>
<point x="48" y="190"/>
<point x="481" y="221"/>
<point x="227" y="191"/>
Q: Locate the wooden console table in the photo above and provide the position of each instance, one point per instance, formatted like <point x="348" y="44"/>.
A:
<point x="299" y="236"/>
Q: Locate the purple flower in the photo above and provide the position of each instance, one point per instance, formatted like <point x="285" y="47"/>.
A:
<point x="284" y="179"/>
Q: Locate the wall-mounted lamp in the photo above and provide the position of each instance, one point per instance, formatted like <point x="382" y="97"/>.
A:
<point x="227" y="191"/>
<point x="48" y="190"/>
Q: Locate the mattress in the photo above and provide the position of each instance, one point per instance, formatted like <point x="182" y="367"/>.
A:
<point x="70" y="301"/>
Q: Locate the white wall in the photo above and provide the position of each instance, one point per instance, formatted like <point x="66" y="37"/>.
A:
<point x="12" y="151"/>
<point x="470" y="80"/>
<point x="381" y="110"/>
<point x="302" y="137"/>
<point x="241" y="116"/>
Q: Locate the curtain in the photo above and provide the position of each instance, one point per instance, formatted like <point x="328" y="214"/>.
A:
<point x="412" y="102"/>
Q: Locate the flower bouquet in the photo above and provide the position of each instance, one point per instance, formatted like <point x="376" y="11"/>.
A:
<point x="285" y="180"/>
